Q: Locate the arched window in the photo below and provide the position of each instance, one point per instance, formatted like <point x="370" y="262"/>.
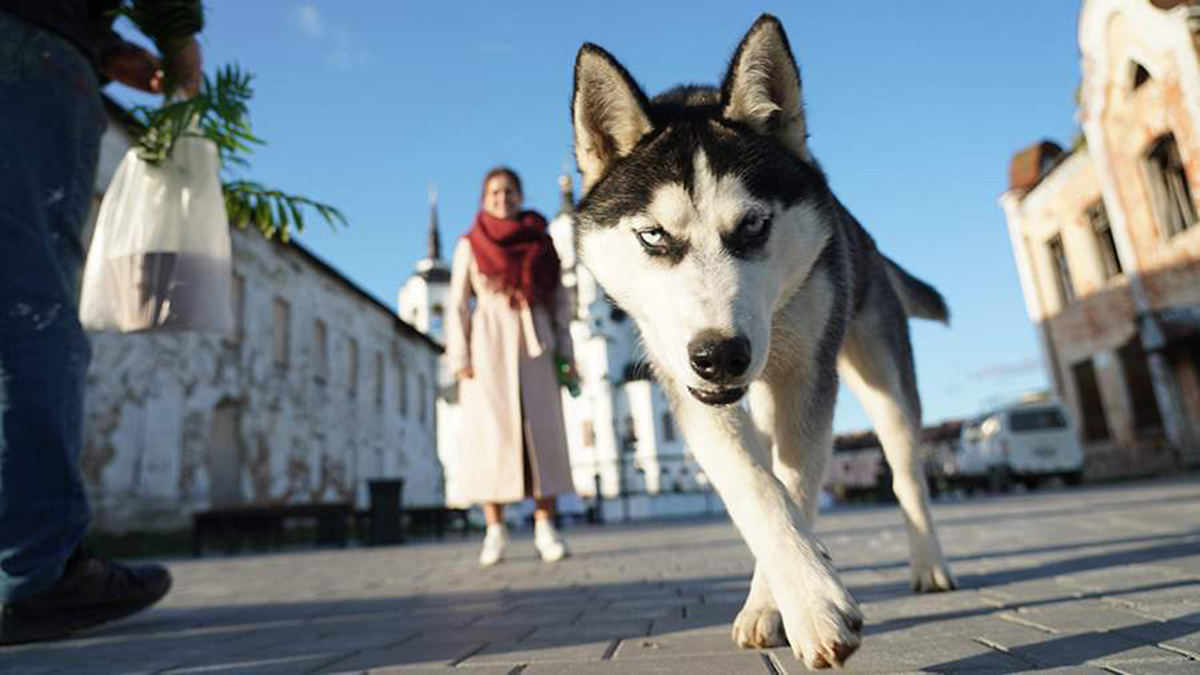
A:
<point x="1140" y="75"/>
<point x="1169" y="186"/>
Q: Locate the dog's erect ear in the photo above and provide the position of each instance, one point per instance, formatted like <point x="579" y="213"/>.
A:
<point x="762" y="87"/>
<point x="608" y="110"/>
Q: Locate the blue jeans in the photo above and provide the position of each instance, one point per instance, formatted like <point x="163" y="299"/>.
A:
<point x="51" y="120"/>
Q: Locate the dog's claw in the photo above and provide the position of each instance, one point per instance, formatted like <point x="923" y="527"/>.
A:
<point x="832" y="650"/>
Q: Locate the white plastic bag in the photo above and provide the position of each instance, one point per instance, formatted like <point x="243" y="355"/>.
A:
<point x="160" y="256"/>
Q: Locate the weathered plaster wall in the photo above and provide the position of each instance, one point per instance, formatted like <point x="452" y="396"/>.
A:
<point x="1121" y="123"/>
<point x="177" y="422"/>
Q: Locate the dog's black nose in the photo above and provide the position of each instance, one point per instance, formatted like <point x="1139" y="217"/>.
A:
<point x="718" y="358"/>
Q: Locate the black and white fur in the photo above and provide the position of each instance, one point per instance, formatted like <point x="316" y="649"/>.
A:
<point x="708" y="221"/>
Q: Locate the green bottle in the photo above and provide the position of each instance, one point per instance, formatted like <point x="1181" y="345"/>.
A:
<point x="566" y="376"/>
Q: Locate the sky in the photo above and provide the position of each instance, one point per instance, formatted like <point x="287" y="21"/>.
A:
<point x="914" y="110"/>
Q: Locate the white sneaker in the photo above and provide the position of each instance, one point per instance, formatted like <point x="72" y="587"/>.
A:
<point x="493" y="545"/>
<point x="551" y="547"/>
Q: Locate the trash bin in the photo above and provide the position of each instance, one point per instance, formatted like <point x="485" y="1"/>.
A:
<point x="386" y="511"/>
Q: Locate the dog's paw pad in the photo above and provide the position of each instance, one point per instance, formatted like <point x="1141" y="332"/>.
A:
<point x="759" y="628"/>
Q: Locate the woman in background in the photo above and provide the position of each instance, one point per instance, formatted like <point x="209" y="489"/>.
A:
<point x="505" y="349"/>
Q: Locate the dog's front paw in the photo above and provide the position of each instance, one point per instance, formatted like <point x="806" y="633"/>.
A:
<point x="823" y="623"/>
<point x="930" y="576"/>
<point x="759" y="627"/>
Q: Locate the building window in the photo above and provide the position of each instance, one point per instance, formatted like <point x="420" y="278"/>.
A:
<point x="436" y="316"/>
<point x="283" y="332"/>
<point x="237" y="292"/>
<point x="1091" y="405"/>
<point x="1146" y="417"/>
<point x="320" y="351"/>
<point x="352" y="367"/>
<point x="589" y="434"/>
<point x="402" y="387"/>
<point x="1062" y="273"/>
<point x="668" y="427"/>
<point x="1169" y="186"/>
<point x="423" y="400"/>
<point x="1140" y="75"/>
<point x="1110" y="262"/>
<point x="379" y="379"/>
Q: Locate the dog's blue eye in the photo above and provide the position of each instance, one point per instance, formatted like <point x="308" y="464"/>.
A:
<point x="753" y="226"/>
<point x="653" y="237"/>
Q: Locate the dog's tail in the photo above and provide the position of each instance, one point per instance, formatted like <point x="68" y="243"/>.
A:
<point x="920" y="300"/>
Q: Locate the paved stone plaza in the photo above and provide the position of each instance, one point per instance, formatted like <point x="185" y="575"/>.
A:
<point x="1090" y="580"/>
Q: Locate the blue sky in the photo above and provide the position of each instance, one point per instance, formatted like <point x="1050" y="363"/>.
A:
<point x="914" y="111"/>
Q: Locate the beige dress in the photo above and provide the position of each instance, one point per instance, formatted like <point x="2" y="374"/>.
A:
<point x="514" y="392"/>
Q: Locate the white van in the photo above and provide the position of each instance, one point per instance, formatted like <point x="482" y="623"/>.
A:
<point x="1026" y="442"/>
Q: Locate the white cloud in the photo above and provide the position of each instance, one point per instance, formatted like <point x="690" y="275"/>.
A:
<point x="309" y="20"/>
<point x="344" y="50"/>
<point x="347" y="52"/>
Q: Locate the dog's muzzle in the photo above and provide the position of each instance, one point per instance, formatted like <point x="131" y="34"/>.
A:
<point x="718" y="397"/>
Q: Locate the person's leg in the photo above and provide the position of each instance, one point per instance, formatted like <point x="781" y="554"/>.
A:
<point x="51" y="120"/>
<point x="496" y="537"/>
<point x="545" y="509"/>
<point x="493" y="514"/>
<point x="545" y="537"/>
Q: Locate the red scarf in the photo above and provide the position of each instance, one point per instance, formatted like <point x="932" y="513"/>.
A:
<point x="517" y="256"/>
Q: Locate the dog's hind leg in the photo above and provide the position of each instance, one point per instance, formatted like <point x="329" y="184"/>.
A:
<point x="799" y="453"/>
<point x="876" y="363"/>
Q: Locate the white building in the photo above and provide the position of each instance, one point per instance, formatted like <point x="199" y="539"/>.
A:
<point x="620" y="432"/>
<point x="320" y="388"/>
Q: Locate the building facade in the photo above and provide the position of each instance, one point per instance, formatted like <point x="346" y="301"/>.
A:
<point x="1106" y="241"/>
<point x="319" y="389"/>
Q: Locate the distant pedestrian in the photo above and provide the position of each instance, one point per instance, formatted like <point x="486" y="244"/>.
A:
<point x="503" y="348"/>
<point x="53" y="54"/>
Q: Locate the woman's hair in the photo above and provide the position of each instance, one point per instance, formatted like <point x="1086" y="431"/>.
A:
<point x="501" y="171"/>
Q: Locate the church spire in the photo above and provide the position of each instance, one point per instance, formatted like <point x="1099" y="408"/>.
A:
<point x="567" y="205"/>
<point x="435" y="240"/>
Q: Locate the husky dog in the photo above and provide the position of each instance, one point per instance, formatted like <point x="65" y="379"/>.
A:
<point x="707" y="220"/>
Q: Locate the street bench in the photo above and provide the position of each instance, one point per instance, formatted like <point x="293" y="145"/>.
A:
<point x="425" y="519"/>
<point x="266" y="522"/>
<point x="437" y="518"/>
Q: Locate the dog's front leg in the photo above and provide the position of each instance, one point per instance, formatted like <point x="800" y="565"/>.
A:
<point x="800" y="437"/>
<point x="822" y="621"/>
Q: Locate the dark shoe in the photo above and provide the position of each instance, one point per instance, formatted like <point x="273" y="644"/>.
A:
<point x="92" y="591"/>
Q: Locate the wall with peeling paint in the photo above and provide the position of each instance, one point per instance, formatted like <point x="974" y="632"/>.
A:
<point x="182" y="422"/>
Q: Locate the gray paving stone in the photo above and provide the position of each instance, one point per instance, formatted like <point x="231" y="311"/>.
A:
<point x="1068" y="580"/>
<point x="749" y="663"/>
<point x="278" y="666"/>
<point x="527" y="652"/>
<point x="1067" y="649"/>
<point x="926" y="650"/>
<point x="698" y="641"/>
<point x="1177" y="636"/>
<point x="1084" y="615"/>
<point x="410" y="654"/>
<point x="1175" y="666"/>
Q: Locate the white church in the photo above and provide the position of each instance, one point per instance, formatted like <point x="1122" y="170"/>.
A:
<point x="622" y="439"/>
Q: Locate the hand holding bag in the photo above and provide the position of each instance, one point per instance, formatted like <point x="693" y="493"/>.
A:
<point x="160" y="256"/>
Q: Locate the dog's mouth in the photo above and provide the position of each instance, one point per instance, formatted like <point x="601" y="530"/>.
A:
<point x="718" y="397"/>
